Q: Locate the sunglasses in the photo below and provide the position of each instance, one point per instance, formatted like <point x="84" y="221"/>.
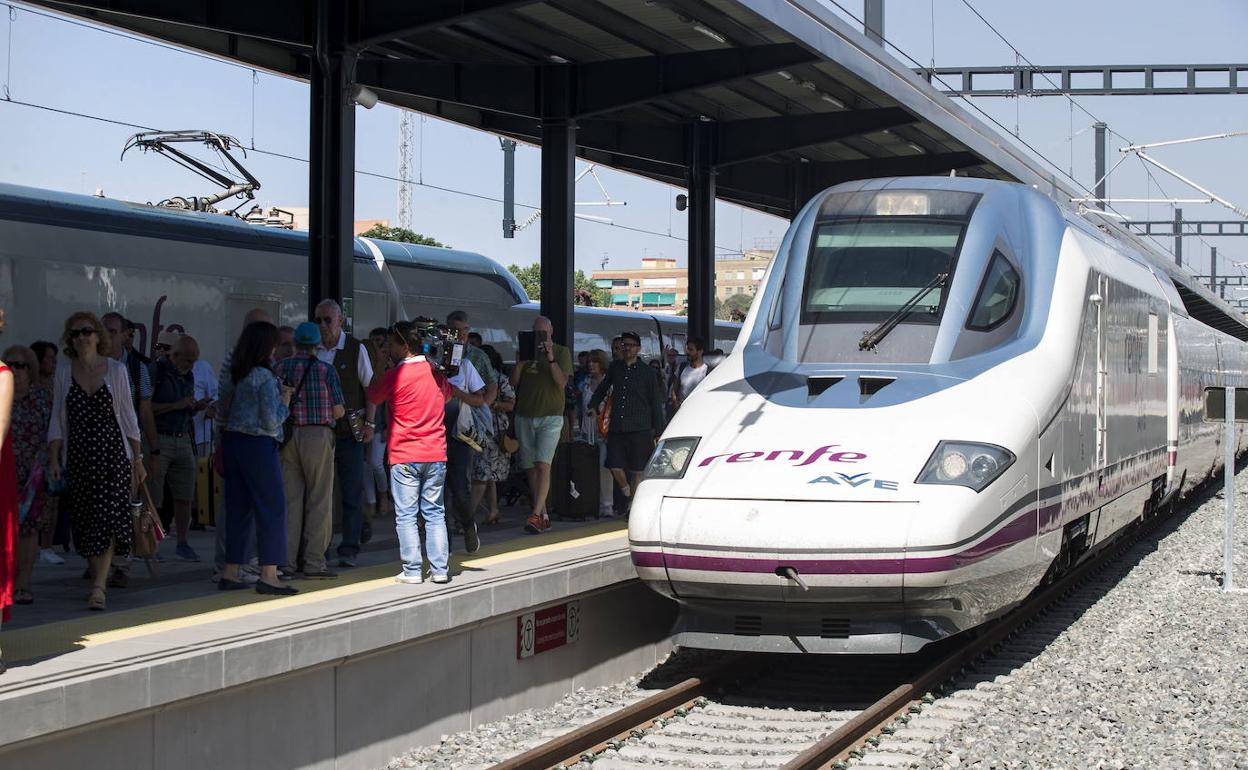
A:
<point x="85" y="331"/>
<point x="17" y="366"/>
<point x="324" y="320"/>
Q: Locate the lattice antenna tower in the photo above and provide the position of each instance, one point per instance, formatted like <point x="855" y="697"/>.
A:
<point x="405" y="171"/>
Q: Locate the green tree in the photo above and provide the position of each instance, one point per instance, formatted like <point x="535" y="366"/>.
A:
<point x="735" y="308"/>
<point x="584" y="291"/>
<point x="401" y="235"/>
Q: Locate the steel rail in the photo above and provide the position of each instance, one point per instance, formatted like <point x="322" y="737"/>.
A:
<point x="837" y="745"/>
<point x="597" y="735"/>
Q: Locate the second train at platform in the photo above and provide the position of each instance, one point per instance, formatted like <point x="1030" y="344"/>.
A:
<point x="199" y="273"/>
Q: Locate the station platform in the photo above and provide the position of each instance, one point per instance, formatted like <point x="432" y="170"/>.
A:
<point x="345" y="674"/>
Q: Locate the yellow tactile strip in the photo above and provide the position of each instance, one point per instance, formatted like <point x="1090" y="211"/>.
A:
<point x="99" y="628"/>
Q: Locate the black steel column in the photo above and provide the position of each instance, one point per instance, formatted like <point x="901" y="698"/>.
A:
<point x="702" y="151"/>
<point x="1101" y="182"/>
<point x="803" y="188"/>
<point x="331" y="174"/>
<point x="1213" y="268"/>
<point x="1178" y="236"/>
<point x="558" y="257"/>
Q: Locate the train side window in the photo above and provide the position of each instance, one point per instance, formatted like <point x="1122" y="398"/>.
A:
<point x="997" y="295"/>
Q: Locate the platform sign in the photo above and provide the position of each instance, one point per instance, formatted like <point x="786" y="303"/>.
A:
<point x="548" y="628"/>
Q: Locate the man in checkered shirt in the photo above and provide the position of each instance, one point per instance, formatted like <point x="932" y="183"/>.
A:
<point x="308" y="458"/>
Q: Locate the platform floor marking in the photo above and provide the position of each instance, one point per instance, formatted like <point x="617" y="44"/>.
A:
<point x="95" y="629"/>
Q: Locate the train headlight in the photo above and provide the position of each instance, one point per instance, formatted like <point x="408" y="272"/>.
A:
<point x="671" y="458"/>
<point x="965" y="464"/>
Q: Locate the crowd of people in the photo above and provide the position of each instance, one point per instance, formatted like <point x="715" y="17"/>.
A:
<point x="301" y="421"/>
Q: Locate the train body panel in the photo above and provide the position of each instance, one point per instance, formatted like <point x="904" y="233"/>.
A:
<point x="200" y="273"/>
<point x="1018" y="343"/>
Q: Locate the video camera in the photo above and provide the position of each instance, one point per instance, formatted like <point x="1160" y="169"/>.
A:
<point x="440" y="345"/>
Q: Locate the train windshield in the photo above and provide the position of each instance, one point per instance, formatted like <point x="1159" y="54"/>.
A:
<point x="874" y="251"/>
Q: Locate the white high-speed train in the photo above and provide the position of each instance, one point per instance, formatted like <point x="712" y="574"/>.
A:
<point x="947" y="390"/>
<point x="200" y="273"/>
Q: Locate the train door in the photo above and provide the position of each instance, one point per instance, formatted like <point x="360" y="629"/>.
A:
<point x="1172" y="403"/>
<point x="1101" y="301"/>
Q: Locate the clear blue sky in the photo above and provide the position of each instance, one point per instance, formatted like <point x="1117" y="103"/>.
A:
<point x="83" y="69"/>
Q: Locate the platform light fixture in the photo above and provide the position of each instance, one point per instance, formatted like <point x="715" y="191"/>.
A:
<point x="363" y="96"/>
<point x="785" y="74"/>
<point x="916" y="147"/>
<point x="832" y="100"/>
<point x="712" y="34"/>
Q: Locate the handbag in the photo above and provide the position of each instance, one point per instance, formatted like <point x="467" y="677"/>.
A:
<point x="604" y="415"/>
<point x="288" y="426"/>
<point x="147" y="530"/>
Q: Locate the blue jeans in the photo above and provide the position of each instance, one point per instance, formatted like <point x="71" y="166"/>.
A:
<point x="349" y="483"/>
<point x="417" y="490"/>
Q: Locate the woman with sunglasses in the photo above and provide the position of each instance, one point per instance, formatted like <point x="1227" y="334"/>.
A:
<point x="28" y="435"/>
<point x="94" y="438"/>
<point x="8" y="494"/>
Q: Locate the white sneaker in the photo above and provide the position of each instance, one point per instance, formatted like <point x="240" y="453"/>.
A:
<point x="403" y="577"/>
<point x="441" y="579"/>
<point x="48" y="556"/>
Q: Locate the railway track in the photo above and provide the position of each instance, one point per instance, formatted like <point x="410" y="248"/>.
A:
<point x="816" y="712"/>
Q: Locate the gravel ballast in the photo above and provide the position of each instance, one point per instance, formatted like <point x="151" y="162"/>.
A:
<point x="1143" y="667"/>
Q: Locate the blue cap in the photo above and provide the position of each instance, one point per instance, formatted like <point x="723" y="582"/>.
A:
<point x="307" y="333"/>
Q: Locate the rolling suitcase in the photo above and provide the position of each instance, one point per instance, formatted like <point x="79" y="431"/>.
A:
<point x="574" y="482"/>
<point x="209" y="493"/>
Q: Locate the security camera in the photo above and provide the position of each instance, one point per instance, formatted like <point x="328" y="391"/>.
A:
<point x="682" y="202"/>
<point x="365" y="97"/>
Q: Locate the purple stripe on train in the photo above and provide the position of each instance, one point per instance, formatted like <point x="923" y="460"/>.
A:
<point x="1016" y="531"/>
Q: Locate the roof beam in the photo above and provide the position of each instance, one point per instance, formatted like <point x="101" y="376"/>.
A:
<point x="778" y="179"/>
<point x="506" y="88"/>
<point x="613" y="85"/>
<point x="282" y="21"/>
<point x="745" y="140"/>
<point x="596" y="87"/>
<point x="382" y="20"/>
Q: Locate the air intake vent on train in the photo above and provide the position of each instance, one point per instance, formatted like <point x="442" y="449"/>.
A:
<point x="834" y="628"/>
<point x="816" y="385"/>
<point x="869" y="386"/>
<point x="748" y="625"/>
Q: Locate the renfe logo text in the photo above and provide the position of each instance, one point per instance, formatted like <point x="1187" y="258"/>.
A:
<point x="796" y="457"/>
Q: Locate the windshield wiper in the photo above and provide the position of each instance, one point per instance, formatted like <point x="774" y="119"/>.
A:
<point x="876" y="336"/>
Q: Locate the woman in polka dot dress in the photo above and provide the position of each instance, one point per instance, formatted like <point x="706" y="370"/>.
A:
<point x="93" y="421"/>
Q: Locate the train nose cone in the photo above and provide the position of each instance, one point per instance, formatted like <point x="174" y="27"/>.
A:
<point x="751" y="549"/>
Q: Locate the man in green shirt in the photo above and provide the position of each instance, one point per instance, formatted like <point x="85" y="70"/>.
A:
<point x="539" y="388"/>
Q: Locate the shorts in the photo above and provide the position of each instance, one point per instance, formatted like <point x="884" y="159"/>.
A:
<point x="629" y="451"/>
<point x="538" y="436"/>
<point x="177" y="466"/>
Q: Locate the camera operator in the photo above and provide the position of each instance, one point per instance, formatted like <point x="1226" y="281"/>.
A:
<point x="470" y="392"/>
<point x="417" y="394"/>
<point x="539" y="385"/>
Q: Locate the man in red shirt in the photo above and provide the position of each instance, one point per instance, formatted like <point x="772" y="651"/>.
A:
<point x="417" y="447"/>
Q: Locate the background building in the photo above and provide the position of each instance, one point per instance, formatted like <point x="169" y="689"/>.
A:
<point x="659" y="286"/>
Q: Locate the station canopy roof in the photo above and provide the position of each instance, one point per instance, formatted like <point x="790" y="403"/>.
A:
<point x="800" y="100"/>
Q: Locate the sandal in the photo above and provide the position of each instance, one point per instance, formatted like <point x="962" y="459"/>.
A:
<point x="22" y="596"/>
<point x="97" y="601"/>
